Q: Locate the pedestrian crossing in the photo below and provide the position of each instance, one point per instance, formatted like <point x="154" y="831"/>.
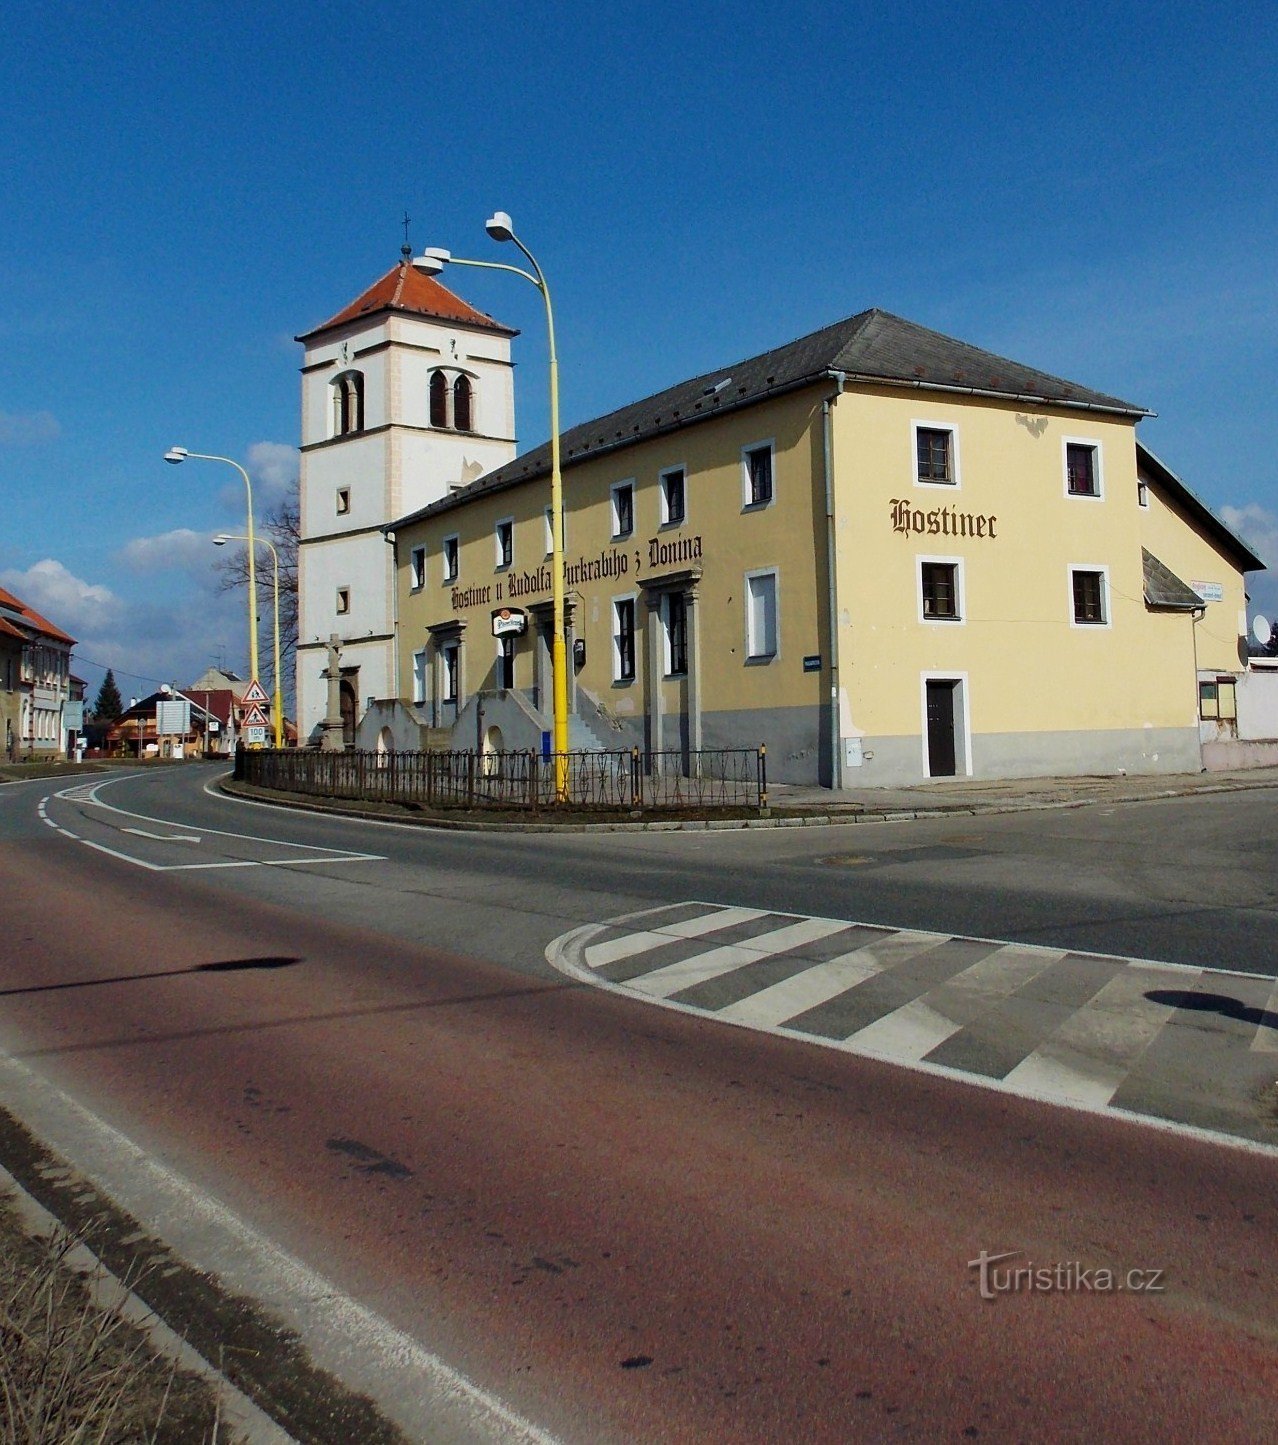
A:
<point x="1091" y="1030"/>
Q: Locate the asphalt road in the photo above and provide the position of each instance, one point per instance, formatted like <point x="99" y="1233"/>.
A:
<point x="617" y="1221"/>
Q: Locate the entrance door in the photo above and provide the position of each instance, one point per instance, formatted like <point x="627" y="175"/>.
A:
<point x="347" y="695"/>
<point x="940" y="728"/>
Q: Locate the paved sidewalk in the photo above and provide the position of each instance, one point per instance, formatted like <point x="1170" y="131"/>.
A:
<point x="967" y="795"/>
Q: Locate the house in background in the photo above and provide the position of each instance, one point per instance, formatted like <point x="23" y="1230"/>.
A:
<point x="34" y="720"/>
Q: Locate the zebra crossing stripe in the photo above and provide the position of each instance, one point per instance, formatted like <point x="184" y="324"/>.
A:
<point x="1089" y="1056"/>
<point x="701" y="967"/>
<point x="915" y="1029"/>
<point x="1266" y="1040"/>
<point x="613" y="950"/>
<point x="825" y="981"/>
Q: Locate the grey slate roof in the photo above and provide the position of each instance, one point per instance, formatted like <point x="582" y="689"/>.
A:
<point x="873" y="346"/>
<point x="1163" y="588"/>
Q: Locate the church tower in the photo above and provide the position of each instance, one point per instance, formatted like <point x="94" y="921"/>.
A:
<point x="407" y="393"/>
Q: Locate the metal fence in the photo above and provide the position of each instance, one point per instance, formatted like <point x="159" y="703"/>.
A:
<point x="711" y="778"/>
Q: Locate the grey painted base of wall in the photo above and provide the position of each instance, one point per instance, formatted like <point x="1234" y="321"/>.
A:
<point x="898" y="761"/>
<point x="792" y="736"/>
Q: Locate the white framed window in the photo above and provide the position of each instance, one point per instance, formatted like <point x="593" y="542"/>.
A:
<point x="504" y="537"/>
<point x="549" y="515"/>
<point x="940" y="589"/>
<point x="1142" y="494"/>
<point x="623" y="509"/>
<point x="761" y="629"/>
<point x="419" y="675"/>
<point x="674" y="496"/>
<point x="343" y="601"/>
<point x="1084" y="472"/>
<point x="623" y="639"/>
<point x="505" y="667"/>
<point x="451" y="549"/>
<point x="1089" y="596"/>
<point x="758" y="483"/>
<point x="674" y="614"/>
<point x="936" y="454"/>
<point x="417" y="568"/>
<point x="343" y="501"/>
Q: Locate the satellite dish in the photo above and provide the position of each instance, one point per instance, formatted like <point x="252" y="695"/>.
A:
<point x="1261" y="630"/>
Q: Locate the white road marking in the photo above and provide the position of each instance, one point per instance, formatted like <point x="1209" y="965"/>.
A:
<point x="662" y="982"/>
<point x="825" y="981"/>
<point x="163" y="837"/>
<point x="425" y="1396"/>
<point x="611" y="950"/>
<point x="1266" y="1040"/>
<point x="923" y="1024"/>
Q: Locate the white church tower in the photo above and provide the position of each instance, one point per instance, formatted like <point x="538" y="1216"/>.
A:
<point x="406" y="392"/>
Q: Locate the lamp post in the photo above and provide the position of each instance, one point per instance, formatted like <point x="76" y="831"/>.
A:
<point x="277" y="705"/>
<point x="431" y="262"/>
<point x="175" y="455"/>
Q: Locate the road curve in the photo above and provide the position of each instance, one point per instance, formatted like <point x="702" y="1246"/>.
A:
<point x="639" y="1225"/>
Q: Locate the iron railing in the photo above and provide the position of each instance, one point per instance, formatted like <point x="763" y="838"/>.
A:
<point x="708" y="779"/>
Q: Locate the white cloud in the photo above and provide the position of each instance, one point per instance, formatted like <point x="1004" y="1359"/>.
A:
<point x="69" y="602"/>
<point x="26" y="428"/>
<point x="272" y="468"/>
<point x="1257" y="526"/>
<point x="181" y="548"/>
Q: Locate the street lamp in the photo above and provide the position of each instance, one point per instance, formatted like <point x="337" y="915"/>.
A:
<point x="221" y="540"/>
<point x="432" y="261"/>
<point x="180" y="454"/>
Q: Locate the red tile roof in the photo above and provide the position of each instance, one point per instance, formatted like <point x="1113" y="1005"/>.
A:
<point x="33" y="618"/>
<point x="405" y="289"/>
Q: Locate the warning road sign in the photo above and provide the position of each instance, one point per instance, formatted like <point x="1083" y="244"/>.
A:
<point x="254" y="717"/>
<point x="255" y="693"/>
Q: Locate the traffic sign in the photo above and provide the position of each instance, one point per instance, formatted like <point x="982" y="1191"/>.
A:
<point x="255" y="693"/>
<point x="254" y="717"/>
<point x="255" y="736"/>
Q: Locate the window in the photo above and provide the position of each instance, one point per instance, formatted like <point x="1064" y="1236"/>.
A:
<point x="419" y="676"/>
<point x="348" y="403"/>
<point x="506" y="662"/>
<point x="438" y="399"/>
<point x="450" y="558"/>
<point x="939" y="583"/>
<point x="623" y="509"/>
<point x="550" y="530"/>
<point x="1082" y="469"/>
<point x="1090" y="603"/>
<point x="676" y="619"/>
<point x="1142" y="493"/>
<point x="417" y="567"/>
<point x="504" y="536"/>
<point x="343" y="501"/>
<point x="462" y="395"/>
<point x="935" y="456"/>
<point x="1218" y="700"/>
<point x="673" y="505"/>
<point x="343" y="600"/>
<point x="756" y="475"/>
<point x="761" y="615"/>
<point x="450" y="657"/>
<point x="623" y="639"/>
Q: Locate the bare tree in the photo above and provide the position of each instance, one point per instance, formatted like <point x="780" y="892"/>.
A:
<point x="283" y="526"/>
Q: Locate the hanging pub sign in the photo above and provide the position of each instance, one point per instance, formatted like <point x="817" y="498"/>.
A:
<point x="509" y="621"/>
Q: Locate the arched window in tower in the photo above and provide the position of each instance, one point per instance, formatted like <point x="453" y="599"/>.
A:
<point x="462" y="396"/>
<point x="438" y="399"/>
<point x="348" y="403"/>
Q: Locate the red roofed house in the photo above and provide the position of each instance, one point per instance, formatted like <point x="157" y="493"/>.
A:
<point x="407" y="394"/>
<point x="35" y="680"/>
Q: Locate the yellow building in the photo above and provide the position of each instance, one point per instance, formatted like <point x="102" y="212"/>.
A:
<point x="883" y="553"/>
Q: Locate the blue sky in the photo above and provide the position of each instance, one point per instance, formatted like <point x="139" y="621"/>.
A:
<point x="1089" y="189"/>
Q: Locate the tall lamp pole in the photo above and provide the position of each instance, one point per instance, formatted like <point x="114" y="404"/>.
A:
<point x="180" y="454"/>
<point x="432" y="261"/>
<point x="278" y="704"/>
